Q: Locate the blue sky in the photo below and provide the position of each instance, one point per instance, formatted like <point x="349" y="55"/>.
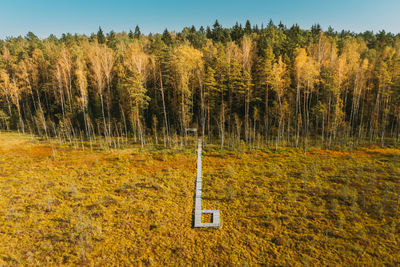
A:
<point x="44" y="17"/>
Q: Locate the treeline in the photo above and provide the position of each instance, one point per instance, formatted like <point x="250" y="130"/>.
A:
<point x="261" y="85"/>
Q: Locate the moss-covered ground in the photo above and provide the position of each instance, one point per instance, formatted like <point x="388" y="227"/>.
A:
<point x="59" y="205"/>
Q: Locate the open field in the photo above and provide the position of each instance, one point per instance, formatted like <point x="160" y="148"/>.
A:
<point x="132" y="206"/>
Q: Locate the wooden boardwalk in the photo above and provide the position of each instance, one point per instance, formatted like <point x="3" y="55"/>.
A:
<point x="198" y="212"/>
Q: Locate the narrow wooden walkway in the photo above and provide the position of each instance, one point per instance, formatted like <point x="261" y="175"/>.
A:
<point x="198" y="212"/>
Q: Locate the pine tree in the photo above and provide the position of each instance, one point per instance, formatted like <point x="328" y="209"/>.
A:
<point x="264" y="81"/>
<point x="247" y="28"/>
<point x="166" y="37"/>
<point x="112" y="40"/>
<point x="217" y="32"/>
<point x="130" y="34"/>
<point x="137" y="32"/>
<point x="133" y="84"/>
<point x="101" y="39"/>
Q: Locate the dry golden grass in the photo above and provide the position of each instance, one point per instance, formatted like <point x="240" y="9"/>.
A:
<point x="132" y="207"/>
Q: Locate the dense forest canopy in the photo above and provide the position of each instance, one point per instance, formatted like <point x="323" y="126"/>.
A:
<point x="258" y="84"/>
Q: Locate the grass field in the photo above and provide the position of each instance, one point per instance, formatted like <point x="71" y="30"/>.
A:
<point x="134" y="207"/>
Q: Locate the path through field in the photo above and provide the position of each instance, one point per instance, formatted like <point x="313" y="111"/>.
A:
<point x="133" y="206"/>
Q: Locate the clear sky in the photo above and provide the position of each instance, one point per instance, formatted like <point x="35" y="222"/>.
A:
<point x="44" y="17"/>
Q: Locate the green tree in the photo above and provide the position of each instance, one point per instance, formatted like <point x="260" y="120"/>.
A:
<point x="101" y="39"/>
<point x="137" y="32"/>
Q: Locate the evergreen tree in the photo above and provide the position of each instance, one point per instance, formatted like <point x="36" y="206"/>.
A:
<point x="101" y="39"/>
<point x="217" y="32"/>
<point x="137" y="32"/>
<point x="201" y="30"/>
<point x="130" y="34"/>
<point x="237" y="32"/>
<point x="209" y="34"/>
<point x="247" y="28"/>
<point x="166" y="37"/>
<point x="264" y="82"/>
<point x="112" y="40"/>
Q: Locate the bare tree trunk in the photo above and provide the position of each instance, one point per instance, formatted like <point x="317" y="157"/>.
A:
<point x="42" y="115"/>
<point x="104" y="117"/>
<point x="222" y="126"/>
<point x="9" y="108"/>
<point x="297" y="113"/>
<point x="124" y="119"/>
<point x="20" y="120"/>
<point x="164" y="108"/>
<point x="266" y="122"/>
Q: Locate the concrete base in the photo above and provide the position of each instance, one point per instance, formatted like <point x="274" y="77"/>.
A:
<point x="215" y="218"/>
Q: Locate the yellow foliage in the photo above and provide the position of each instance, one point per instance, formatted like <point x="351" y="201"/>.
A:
<point x="135" y="207"/>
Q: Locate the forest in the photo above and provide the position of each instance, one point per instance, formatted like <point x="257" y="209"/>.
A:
<point x="301" y="147"/>
<point x="262" y="85"/>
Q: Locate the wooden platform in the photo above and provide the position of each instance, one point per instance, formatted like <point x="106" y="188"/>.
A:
<point x="198" y="212"/>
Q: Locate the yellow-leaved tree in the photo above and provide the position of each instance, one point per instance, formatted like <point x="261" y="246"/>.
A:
<point x="306" y="76"/>
<point x="136" y="63"/>
<point x="279" y="85"/>
<point x="187" y="61"/>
